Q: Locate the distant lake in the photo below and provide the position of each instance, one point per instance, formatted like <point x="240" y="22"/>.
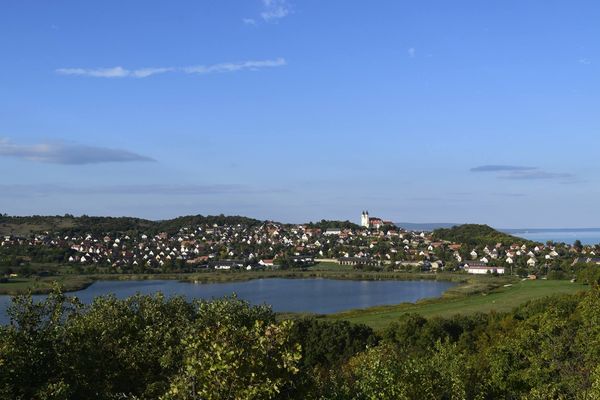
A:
<point x="586" y="236"/>
<point x="321" y="296"/>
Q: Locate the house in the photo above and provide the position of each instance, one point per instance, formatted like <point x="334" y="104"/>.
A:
<point x="303" y="259"/>
<point x="266" y="262"/>
<point x="226" y="264"/>
<point x="358" y="261"/>
<point x="480" y="268"/>
<point x="333" y="231"/>
<point x="437" y="265"/>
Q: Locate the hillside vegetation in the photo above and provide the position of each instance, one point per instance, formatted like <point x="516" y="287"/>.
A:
<point x="71" y="225"/>
<point x="327" y="224"/>
<point x="476" y="235"/>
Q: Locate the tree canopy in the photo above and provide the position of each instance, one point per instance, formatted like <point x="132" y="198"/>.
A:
<point x="153" y="347"/>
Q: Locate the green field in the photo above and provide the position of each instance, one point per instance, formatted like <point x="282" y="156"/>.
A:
<point x="500" y="300"/>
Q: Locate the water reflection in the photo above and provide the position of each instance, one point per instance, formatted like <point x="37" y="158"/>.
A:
<point x="322" y="296"/>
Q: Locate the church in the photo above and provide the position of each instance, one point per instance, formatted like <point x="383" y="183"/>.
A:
<point x="370" y="222"/>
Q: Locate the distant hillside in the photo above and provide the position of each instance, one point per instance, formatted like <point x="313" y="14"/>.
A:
<point x="70" y="225"/>
<point x="427" y="227"/>
<point x="173" y="225"/>
<point x="326" y="224"/>
<point x="475" y="235"/>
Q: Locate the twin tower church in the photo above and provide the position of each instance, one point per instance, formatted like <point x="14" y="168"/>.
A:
<point x="372" y="222"/>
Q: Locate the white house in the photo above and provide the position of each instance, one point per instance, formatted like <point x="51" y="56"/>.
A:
<point x="266" y="262"/>
<point x="479" y="268"/>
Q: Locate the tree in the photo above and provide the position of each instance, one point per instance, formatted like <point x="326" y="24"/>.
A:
<point x="231" y="362"/>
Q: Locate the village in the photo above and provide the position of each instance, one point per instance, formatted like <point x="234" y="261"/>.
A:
<point x="375" y="244"/>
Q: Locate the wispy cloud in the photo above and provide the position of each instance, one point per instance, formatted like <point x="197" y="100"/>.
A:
<point x="120" y="72"/>
<point x="523" y="173"/>
<point x="275" y="9"/>
<point x="232" y="67"/>
<point x="249" y="21"/>
<point x="536" y="175"/>
<point x="500" y="168"/>
<point x="71" y="154"/>
<point x="412" y="52"/>
<point x="148" y="189"/>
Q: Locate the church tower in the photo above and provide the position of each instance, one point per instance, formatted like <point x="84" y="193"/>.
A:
<point x="364" y="219"/>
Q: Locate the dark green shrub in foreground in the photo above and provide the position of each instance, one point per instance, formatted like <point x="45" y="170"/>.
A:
<point x="151" y="347"/>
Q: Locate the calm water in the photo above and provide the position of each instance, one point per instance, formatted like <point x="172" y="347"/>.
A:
<point x="320" y="296"/>
<point x="586" y="236"/>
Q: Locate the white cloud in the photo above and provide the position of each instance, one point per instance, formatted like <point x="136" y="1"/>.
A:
<point x="232" y="67"/>
<point x="120" y="72"/>
<point x="115" y="72"/>
<point x="275" y="9"/>
<point x="72" y="154"/>
<point x="412" y="52"/>
<point x="249" y="21"/>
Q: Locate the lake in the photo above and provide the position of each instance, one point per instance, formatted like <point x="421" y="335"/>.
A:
<point x="586" y="236"/>
<point x="315" y="295"/>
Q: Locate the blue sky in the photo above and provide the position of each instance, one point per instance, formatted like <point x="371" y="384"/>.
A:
<point x="423" y="111"/>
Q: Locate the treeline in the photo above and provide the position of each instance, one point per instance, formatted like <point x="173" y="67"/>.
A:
<point x="151" y="347"/>
<point x="476" y="235"/>
<point x="71" y="225"/>
<point x="329" y="224"/>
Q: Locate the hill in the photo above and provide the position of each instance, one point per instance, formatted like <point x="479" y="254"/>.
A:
<point x="71" y="225"/>
<point x="426" y="226"/>
<point x="475" y="235"/>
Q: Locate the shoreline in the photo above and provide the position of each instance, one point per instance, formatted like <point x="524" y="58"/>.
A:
<point x="74" y="283"/>
<point x="471" y="294"/>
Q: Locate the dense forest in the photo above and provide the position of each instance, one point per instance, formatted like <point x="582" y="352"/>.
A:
<point x="152" y="347"/>
<point x="476" y="235"/>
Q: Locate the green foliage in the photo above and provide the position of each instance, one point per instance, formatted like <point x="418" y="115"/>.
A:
<point x="132" y="347"/>
<point x="225" y="361"/>
<point x="327" y="224"/>
<point x="327" y="344"/>
<point x="150" y="347"/>
<point x="383" y="373"/>
<point x="475" y="235"/>
<point x="589" y="274"/>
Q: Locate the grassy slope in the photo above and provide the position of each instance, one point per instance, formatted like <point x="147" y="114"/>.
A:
<point x="500" y="300"/>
